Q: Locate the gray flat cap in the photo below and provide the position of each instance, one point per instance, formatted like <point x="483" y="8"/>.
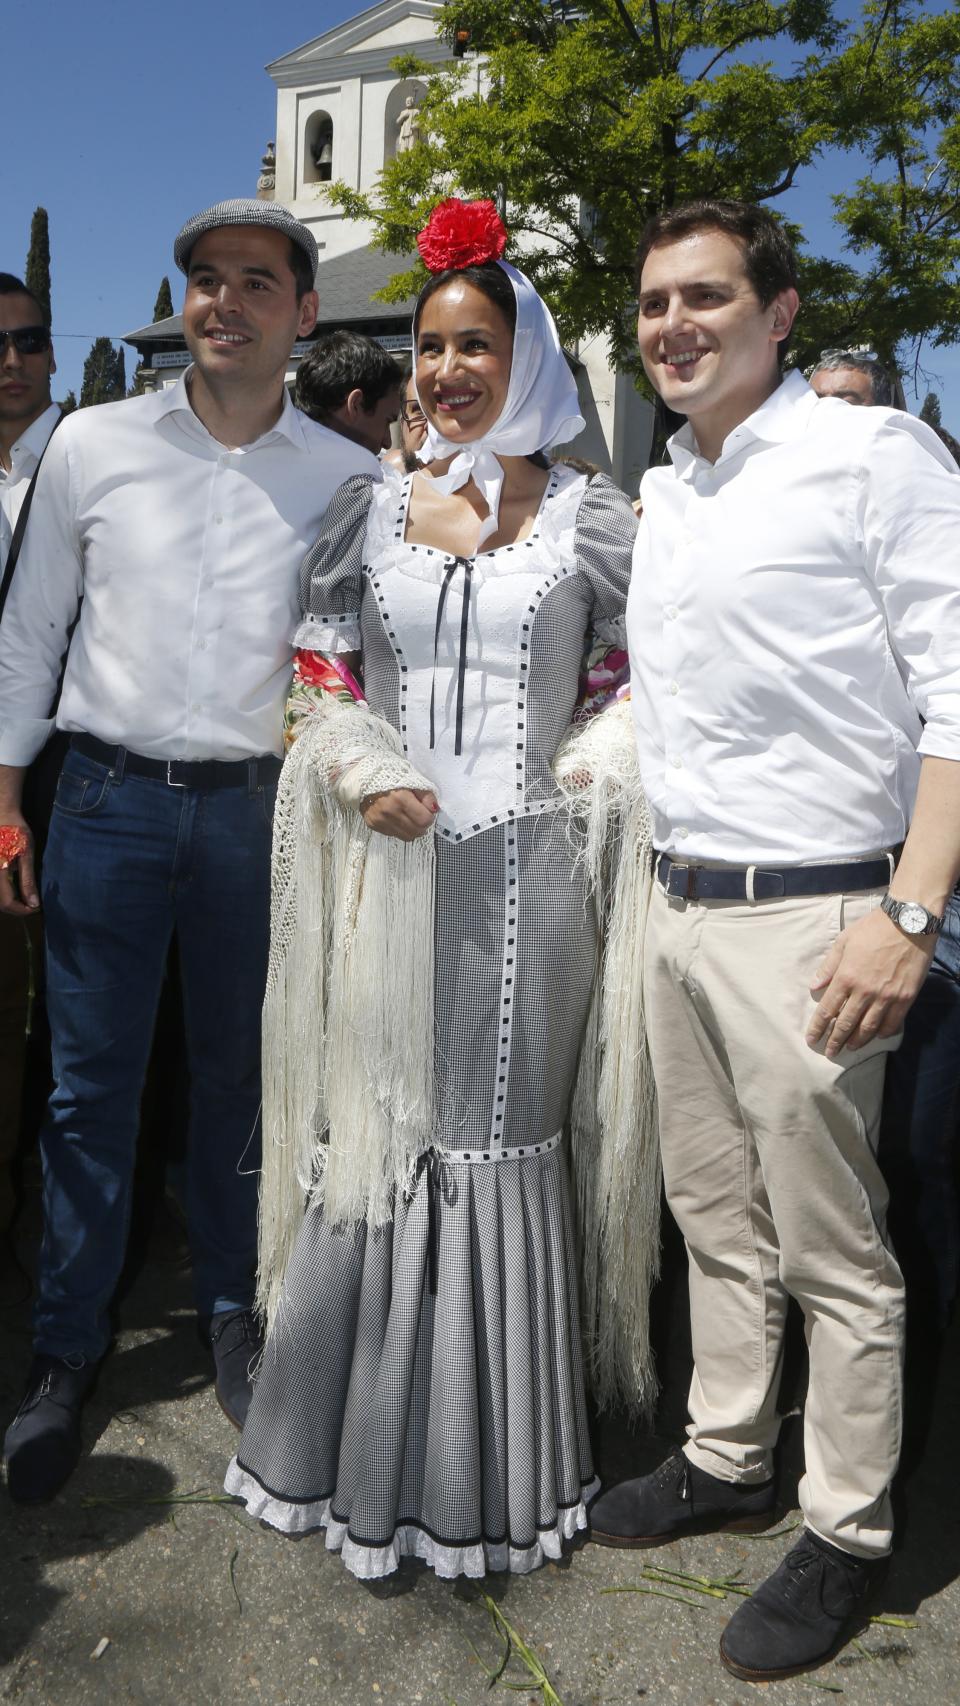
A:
<point x="244" y="212"/>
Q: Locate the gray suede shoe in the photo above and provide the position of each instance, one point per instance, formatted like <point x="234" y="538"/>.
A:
<point x="802" y="1614"/>
<point x="236" y="1341"/>
<point x="676" y="1499"/>
<point x="42" y="1443"/>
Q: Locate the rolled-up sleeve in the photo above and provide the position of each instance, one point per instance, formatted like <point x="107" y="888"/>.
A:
<point x="41" y="607"/>
<point x="908" y="520"/>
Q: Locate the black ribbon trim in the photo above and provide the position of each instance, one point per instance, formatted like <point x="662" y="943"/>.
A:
<point x="466" y="563"/>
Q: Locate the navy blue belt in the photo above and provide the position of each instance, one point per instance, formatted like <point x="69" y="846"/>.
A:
<point x="182" y="772"/>
<point x="756" y="882"/>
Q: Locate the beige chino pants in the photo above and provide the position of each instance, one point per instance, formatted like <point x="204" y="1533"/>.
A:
<point x="770" y="1171"/>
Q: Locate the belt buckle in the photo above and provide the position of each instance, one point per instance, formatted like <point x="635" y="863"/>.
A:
<point x="170" y="782"/>
<point x="686" y="885"/>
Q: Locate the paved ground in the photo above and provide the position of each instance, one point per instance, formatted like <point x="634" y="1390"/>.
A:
<point x="201" y="1605"/>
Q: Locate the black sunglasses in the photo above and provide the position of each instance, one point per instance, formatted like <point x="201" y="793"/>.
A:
<point x="27" y="340"/>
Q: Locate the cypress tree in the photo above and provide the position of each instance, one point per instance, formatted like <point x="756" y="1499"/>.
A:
<point x="68" y="403"/>
<point x="37" y="274"/>
<point x="104" y="377"/>
<point x="931" y="410"/>
<point x="163" y="307"/>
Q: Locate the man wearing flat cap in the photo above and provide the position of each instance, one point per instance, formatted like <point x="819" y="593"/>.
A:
<point x="170" y="531"/>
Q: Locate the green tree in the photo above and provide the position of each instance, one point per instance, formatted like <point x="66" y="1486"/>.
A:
<point x="37" y="274"/>
<point x="163" y="307"/>
<point x="104" y="376"/>
<point x="68" y="403"/>
<point x="581" y="121"/>
<point x="930" y="411"/>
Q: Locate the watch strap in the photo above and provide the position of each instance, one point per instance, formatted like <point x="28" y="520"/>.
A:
<point x="893" y="909"/>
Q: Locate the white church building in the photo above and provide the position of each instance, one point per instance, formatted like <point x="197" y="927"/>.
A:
<point x="340" y="108"/>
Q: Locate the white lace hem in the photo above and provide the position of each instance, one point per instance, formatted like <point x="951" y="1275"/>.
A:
<point x="369" y="1562"/>
<point x="330" y="634"/>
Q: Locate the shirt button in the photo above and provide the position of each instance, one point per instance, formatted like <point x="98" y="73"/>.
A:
<point x="682" y="834"/>
<point x="674" y="687"/>
<point x="671" y="613"/>
<point x="677" y="762"/>
<point x="218" y="519"/>
<point x="201" y="645"/>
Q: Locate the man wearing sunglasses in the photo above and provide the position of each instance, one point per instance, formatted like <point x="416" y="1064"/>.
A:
<point x="27" y="415"/>
<point x="27" y="418"/>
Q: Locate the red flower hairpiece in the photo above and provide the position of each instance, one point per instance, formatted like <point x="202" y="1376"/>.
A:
<point x="461" y="234"/>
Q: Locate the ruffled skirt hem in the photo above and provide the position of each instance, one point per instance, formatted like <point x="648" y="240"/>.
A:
<point x="409" y="1540"/>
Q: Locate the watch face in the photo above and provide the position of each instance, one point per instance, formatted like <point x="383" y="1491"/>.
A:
<point x="913" y="918"/>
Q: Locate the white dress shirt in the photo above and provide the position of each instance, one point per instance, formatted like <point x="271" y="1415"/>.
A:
<point x="794" y="610"/>
<point x="24" y="456"/>
<point x="186" y="555"/>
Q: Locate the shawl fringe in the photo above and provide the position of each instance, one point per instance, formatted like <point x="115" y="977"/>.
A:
<point x="348" y="1066"/>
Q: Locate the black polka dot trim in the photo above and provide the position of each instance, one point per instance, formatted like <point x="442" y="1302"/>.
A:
<point x="517" y="1152"/>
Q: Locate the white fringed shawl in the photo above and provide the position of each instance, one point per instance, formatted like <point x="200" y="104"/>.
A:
<point x="348" y="1069"/>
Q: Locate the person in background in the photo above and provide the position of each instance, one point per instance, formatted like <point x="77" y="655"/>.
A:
<point x="922" y="1090"/>
<point x="180" y="518"/>
<point x="27" y="418"/>
<point x="854" y="376"/>
<point x="808" y="836"/>
<point x="413" y="427"/>
<point x="350" y="384"/>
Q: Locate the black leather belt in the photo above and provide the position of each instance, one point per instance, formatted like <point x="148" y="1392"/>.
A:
<point x="182" y="773"/>
<point x="756" y="882"/>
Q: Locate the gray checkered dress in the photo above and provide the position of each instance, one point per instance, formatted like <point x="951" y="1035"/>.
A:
<point x="423" y="1392"/>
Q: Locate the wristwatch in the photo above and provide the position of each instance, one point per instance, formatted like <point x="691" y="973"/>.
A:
<point x="915" y="919"/>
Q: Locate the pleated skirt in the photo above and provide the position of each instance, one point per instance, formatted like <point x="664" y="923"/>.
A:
<point x="422" y="1391"/>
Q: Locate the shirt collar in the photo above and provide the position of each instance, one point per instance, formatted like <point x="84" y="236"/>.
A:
<point x="34" y="439"/>
<point x="783" y="416"/>
<point x="175" y="399"/>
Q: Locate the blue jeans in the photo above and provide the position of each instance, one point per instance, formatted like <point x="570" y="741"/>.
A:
<point x="921" y="1107"/>
<point x="129" y="860"/>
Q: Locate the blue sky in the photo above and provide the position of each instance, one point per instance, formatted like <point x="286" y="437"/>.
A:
<point x="122" y="118"/>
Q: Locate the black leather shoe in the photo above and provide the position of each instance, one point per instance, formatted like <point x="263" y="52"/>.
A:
<point x="678" y="1498"/>
<point x="236" y="1341"/>
<point x="802" y="1614"/>
<point x="42" y="1443"/>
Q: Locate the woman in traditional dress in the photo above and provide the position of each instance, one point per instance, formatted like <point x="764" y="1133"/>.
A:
<point x="443" y="849"/>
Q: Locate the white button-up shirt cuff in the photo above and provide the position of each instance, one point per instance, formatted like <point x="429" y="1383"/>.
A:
<point x="940" y="740"/>
<point x="22" y="741"/>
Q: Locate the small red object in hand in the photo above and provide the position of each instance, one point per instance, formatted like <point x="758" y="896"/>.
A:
<point x="13" y="842"/>
<point x="461" y="234"/>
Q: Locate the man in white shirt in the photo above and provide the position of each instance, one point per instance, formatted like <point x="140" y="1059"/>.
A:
<point x="27" y="418"/>
<point x="794" y="610"/>
<point x="180" y="519"/>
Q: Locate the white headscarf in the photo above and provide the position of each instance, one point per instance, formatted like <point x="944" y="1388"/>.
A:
<point x="541" y="407"/>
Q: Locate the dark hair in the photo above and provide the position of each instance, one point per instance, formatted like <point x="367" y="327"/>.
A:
<point x="768" y="257"/>
<point x="302" y="270"/>
<point x="10" y="285"/>
<point x="487" y="277"/>
<point x="341" y="362"/>
<point x="881" y="380"/>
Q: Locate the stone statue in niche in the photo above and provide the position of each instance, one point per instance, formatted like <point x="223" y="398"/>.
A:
<point x="323" y="153"/>
<point x="408" y="126"/>
<point x="267" y="181"/>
